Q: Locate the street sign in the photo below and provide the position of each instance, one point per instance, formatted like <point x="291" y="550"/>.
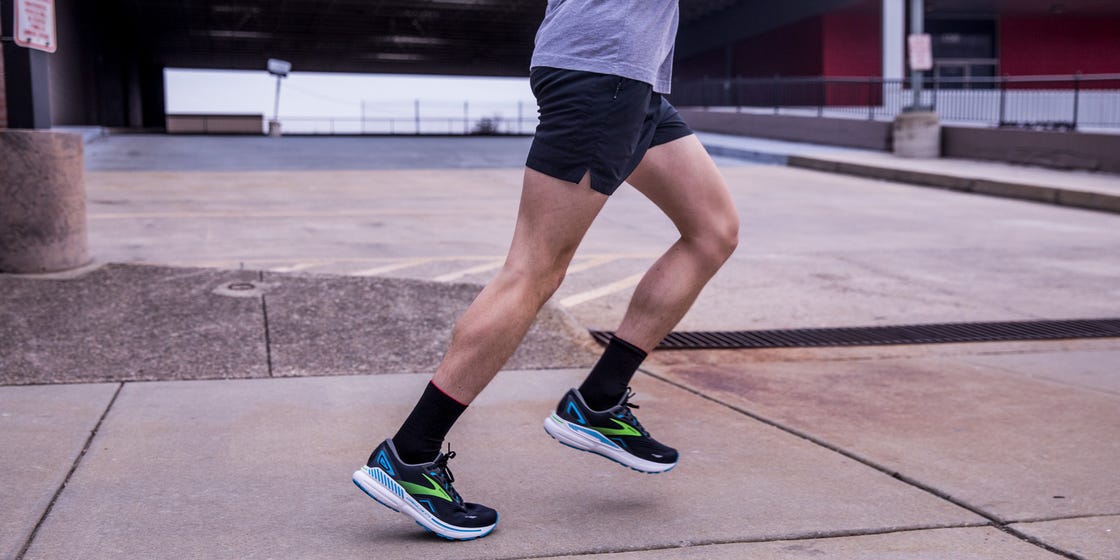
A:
<point x="921" y="52"/>
<point x="279" y="67"/>
<point x="34" y="25"/>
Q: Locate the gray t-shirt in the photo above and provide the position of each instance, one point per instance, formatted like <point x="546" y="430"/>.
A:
<point x="629" y="38"/>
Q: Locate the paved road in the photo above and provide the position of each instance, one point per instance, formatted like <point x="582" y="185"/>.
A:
<point x="818" y="249"/>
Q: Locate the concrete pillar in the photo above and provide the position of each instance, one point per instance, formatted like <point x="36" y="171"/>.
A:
<point x="917" y="134"/>
<point x="42" y="202"/>
<point x="894" y="39"/>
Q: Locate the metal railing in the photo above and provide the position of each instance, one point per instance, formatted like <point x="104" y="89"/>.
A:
<point x="440" y="126"/>
<point x="1078" y="102"/>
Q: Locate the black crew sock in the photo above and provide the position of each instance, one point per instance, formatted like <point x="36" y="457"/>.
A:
<point x="421" y="436"/>
<point x="606" y="384"/>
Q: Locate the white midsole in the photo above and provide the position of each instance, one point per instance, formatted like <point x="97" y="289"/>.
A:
<point x="573" y="435"/>
<point x="386" y="492"/>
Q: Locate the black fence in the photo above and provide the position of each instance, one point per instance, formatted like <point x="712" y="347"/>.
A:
<point x="1080" y="102"/>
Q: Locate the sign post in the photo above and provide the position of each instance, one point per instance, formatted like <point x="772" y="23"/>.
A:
<point x="921" y="52"/>
<point x="28" y="33"/>
<point x="35" y="25"/>
<point x="280" y="69"/>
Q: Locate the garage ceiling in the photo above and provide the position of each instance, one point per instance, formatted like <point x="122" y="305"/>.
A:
<point x="467" y="37"/>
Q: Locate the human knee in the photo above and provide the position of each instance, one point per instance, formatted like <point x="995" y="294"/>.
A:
<point x="538" y="281"/>
<point x="719" y="238"/>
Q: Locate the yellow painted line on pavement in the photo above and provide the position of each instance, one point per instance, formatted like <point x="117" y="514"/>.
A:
<point x="296" y="267"/>
<point x="468" y="271"/>
<point x="391" y="267"/>
<point x="590" y="263"/>
<point x="288" y="214"/>
<point x="613" y="287"/>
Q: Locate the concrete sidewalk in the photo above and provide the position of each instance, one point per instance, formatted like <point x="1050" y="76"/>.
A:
<point x="976" y="451"/>
<point x="1078" y="189"/>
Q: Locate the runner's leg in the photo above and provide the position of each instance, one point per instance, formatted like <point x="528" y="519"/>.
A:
<point x="683" y="181"/>
<point x="552" y="220"/>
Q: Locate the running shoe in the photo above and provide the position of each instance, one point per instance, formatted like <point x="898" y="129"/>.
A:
<point x="613" y="433"/>
<point x="424" y="493"/>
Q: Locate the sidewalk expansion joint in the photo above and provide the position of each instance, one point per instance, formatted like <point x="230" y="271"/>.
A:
<point x="993" y="520"/>
<point x="1063" y="518"/>
<point x="267" y="333"/>
<point x="791" y="537"/>
<point x="69" y="474"/>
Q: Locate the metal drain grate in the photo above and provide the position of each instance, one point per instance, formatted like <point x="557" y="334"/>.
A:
<point x="881" y="335"/>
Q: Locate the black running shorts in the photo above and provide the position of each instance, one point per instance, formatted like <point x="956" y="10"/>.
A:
<point x="597" y="123"/>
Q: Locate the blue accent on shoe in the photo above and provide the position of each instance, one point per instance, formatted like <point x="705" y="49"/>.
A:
<point x="383" y="461"/>
<point x="574" y="411"/>
<point x="593" y="434"/>
<point x="607" y="457"/>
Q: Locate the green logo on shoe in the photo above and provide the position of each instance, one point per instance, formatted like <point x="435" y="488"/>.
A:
<point x="626" y="430"/>
<point x="433" y="490"/>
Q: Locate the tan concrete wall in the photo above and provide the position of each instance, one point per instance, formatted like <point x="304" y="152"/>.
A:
<point x="1061" y="150"/>
<point x="854" y="133"/>
<point x="42" y="202"/>
<point x="215" y="124"/>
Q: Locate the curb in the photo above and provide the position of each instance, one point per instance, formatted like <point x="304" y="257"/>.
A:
<point x="1085" y="200"/>
<point x="1021" y="191"/>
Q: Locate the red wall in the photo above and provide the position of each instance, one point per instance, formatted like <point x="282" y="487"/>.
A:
<point x="853" y="44"/>
<point x="791" y="50"/>
<point x="706" y="65"/>
<point x="1033" y="45"/>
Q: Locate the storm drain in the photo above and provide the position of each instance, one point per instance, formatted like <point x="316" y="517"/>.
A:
<point x="939" y="333"/>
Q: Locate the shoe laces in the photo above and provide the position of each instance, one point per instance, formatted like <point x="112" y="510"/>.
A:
<point x="627" y="414"/>
<point x="442" y="474"/>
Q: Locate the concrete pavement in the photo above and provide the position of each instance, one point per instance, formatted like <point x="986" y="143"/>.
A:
<point x="157" y="411"/>
<point x="962" y="451"/>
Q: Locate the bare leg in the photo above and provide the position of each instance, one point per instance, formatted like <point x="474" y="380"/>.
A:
<point x="681" y="179"/>
<point x="552" y="220"/>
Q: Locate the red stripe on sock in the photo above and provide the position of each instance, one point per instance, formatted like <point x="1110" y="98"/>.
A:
<point x="448" y="395"/>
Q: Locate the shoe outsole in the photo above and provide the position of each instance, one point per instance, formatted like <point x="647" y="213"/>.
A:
<point x="568" y="434"/>
<point x="398" y="500"/>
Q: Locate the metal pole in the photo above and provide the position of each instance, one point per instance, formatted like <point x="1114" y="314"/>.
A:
<point x="25" y="79"/>
<point x="1002" y="101"/>
<point x="917" y="21"/>
<point x="417" y="109"/>
<point x="276" y="106"/>
<point x="1076" y="97"/>
<point x="870" y="99"/>
<point x="466" y="117"/>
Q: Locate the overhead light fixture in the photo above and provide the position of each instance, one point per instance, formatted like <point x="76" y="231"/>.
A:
<point x="395" y="56"/>
<point x="234" y="9"/>
<point x="228" y="34"/>
<point x="414" y="40"/>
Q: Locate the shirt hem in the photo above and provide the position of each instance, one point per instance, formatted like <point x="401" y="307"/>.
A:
<point x="601" y="67"/>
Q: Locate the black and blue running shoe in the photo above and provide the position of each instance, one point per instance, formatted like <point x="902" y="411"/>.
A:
<point x="613" y="433"/>
<point x="424" y="493"/>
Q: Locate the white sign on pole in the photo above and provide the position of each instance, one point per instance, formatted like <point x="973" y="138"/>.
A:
<point x="921" y="52"/>
<point x="279" y="67"/>
<point x="34" y="25"/>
